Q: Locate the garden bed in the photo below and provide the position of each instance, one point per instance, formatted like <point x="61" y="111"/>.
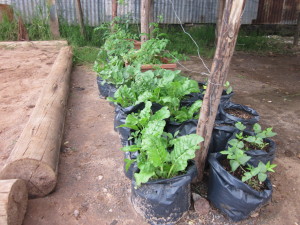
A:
<point x="22" y="75"/>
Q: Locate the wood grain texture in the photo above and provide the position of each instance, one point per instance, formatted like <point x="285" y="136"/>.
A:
<point x="13" y="201"/>
<point x="225" y="47"/>
<point x="36" y="153"/>
<point x="145" y="10"/>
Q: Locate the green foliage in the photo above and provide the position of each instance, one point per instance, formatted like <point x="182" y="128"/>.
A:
<point x="258" y="139"/>
<point x="253" y="176"/>
<point x="228" y="87"/>
<point x="8" y="30"/>
<point x="186" y="113"/>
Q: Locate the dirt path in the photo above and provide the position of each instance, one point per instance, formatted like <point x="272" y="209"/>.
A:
<point x="22" y="73"/>
<point x="92" y="188"/>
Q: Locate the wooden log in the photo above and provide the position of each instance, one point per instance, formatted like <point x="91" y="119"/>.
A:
<point x="34" y="44"/>
<point x="221" y="5"/>
<point x="145" y="6"/>
<point x="226" y="43"/>
<point x="13" y="201"/>
<point x="36" y="153"/>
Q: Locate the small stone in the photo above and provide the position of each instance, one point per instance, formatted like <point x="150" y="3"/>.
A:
<point x="78" y="177"/>
<point x="76" y="213"/>
<point x="269" y="101"/>
<point x="196" y="197"/>
<point x="104" y="190"/>
<point x="110" y="210"/>
<point x="100" y="177"/>
<point x="254" y="215"/>
<point x="202" y="206"/>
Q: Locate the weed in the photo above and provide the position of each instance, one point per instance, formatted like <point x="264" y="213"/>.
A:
<point x="8" y="29"/>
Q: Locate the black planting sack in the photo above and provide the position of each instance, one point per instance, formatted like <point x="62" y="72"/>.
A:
<point x="230" y="195"/>
<point x="220" y="136"/>
<point x="164" y="201"/>
<point x="133" y="167"/>
<point x="191" y="98"/>
<point x="184" y="128"/>
<point x="105" y="89"/>
<point x="259" y="155"/>
<point x="227" y="118"/>
<point x="120" y="118"/>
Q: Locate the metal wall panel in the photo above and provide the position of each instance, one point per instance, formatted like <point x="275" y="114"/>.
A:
<point x="189" y="11"/>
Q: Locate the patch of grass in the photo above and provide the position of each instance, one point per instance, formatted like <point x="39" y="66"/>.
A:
<point x="203" y="35"/>
<point x="259" y="43"/>
<point x="8" y="30"/>
<point x="85" y="55"/>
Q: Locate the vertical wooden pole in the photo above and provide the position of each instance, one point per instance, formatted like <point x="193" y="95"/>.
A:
<point x="225" y="47"/>
<point x="114" y="9"/>
<point x="145" y="6"/>
<point x="221" y="5"/>
<point x="151" y="17"/>
<point x="79" y="15"/>
<point x="296" y="37"/>
<point x="54" y="25"/>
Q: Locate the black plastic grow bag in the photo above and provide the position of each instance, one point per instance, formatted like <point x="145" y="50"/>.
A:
<point x="227" y="118"/>
<point x="133" y="167"/>
<point x="184" y="128"/>
<point x="230" y="195"/>
<point x="220" y="136"/>
<point x="164" y="201"/>
<point x="259" y="155"/>
<point x="191" y="98"/>
<point x="105" y="89"/>
<point x="120" y="118"/>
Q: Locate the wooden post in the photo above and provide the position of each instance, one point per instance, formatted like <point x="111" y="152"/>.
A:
<point x="221" y="5"/>
<point x="54" y="25"/>
<point x="35" y="156"/>
<point x="225" y="47"/>
<point x="22" y="32"/>
<point x="145" y="6"/>
<point x="13" y="201"/>
<point x="114" y="9"/>
<point x="151" y="17"/>
<point x="79" y="15"/>
<point x="296" y="37"/>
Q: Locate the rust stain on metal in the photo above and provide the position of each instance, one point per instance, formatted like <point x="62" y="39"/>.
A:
<point x="277" y="11"/>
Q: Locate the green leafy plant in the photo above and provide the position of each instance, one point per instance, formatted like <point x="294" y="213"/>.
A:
<point x="155" y="161"/>
<point x="186" y="113"/>
<point x="253" y="176"/>
<point x="228" y="87"/>
<point x="259" y="135"/>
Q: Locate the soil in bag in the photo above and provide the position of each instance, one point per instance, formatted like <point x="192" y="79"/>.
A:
<point x="164" y="201"/>
<point x="230" y="195"/>
<point x="230" y="113"/>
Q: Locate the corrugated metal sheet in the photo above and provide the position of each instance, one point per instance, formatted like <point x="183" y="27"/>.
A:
<point x="189" y="11"/>
<point x="277" y="12"/>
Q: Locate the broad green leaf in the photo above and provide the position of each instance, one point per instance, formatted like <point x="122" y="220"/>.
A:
<point x="144" y="97"/>
<point x="128" y="163"/>
<point x="184" y="150"/>
<point x="246" y="176"/>
<point x="250" y="139"/>
<point x="262" y="177"/>
<point x="131" y="148"/>
<point x="234" y="165"/>
<point x="257" y="128"/>
<point x="143" y="177"/>
<point x="244" y="159"/>
<point x="156" y="150"/>
<point x="240" y="126"/>
<point x="155" y="128"/>
<point x="161" y="114"/>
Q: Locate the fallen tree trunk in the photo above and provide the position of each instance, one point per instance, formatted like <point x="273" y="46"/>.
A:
<point x="36" y="153"/>
<point x="13" y="201"/>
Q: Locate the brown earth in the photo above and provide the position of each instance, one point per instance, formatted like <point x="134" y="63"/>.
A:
<point x="92" y="188"/>
<point x="22" y="73"/>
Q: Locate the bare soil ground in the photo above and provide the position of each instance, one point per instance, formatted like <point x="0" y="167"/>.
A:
<point x="22" y="73"/>
<point x="92" y="188"/>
